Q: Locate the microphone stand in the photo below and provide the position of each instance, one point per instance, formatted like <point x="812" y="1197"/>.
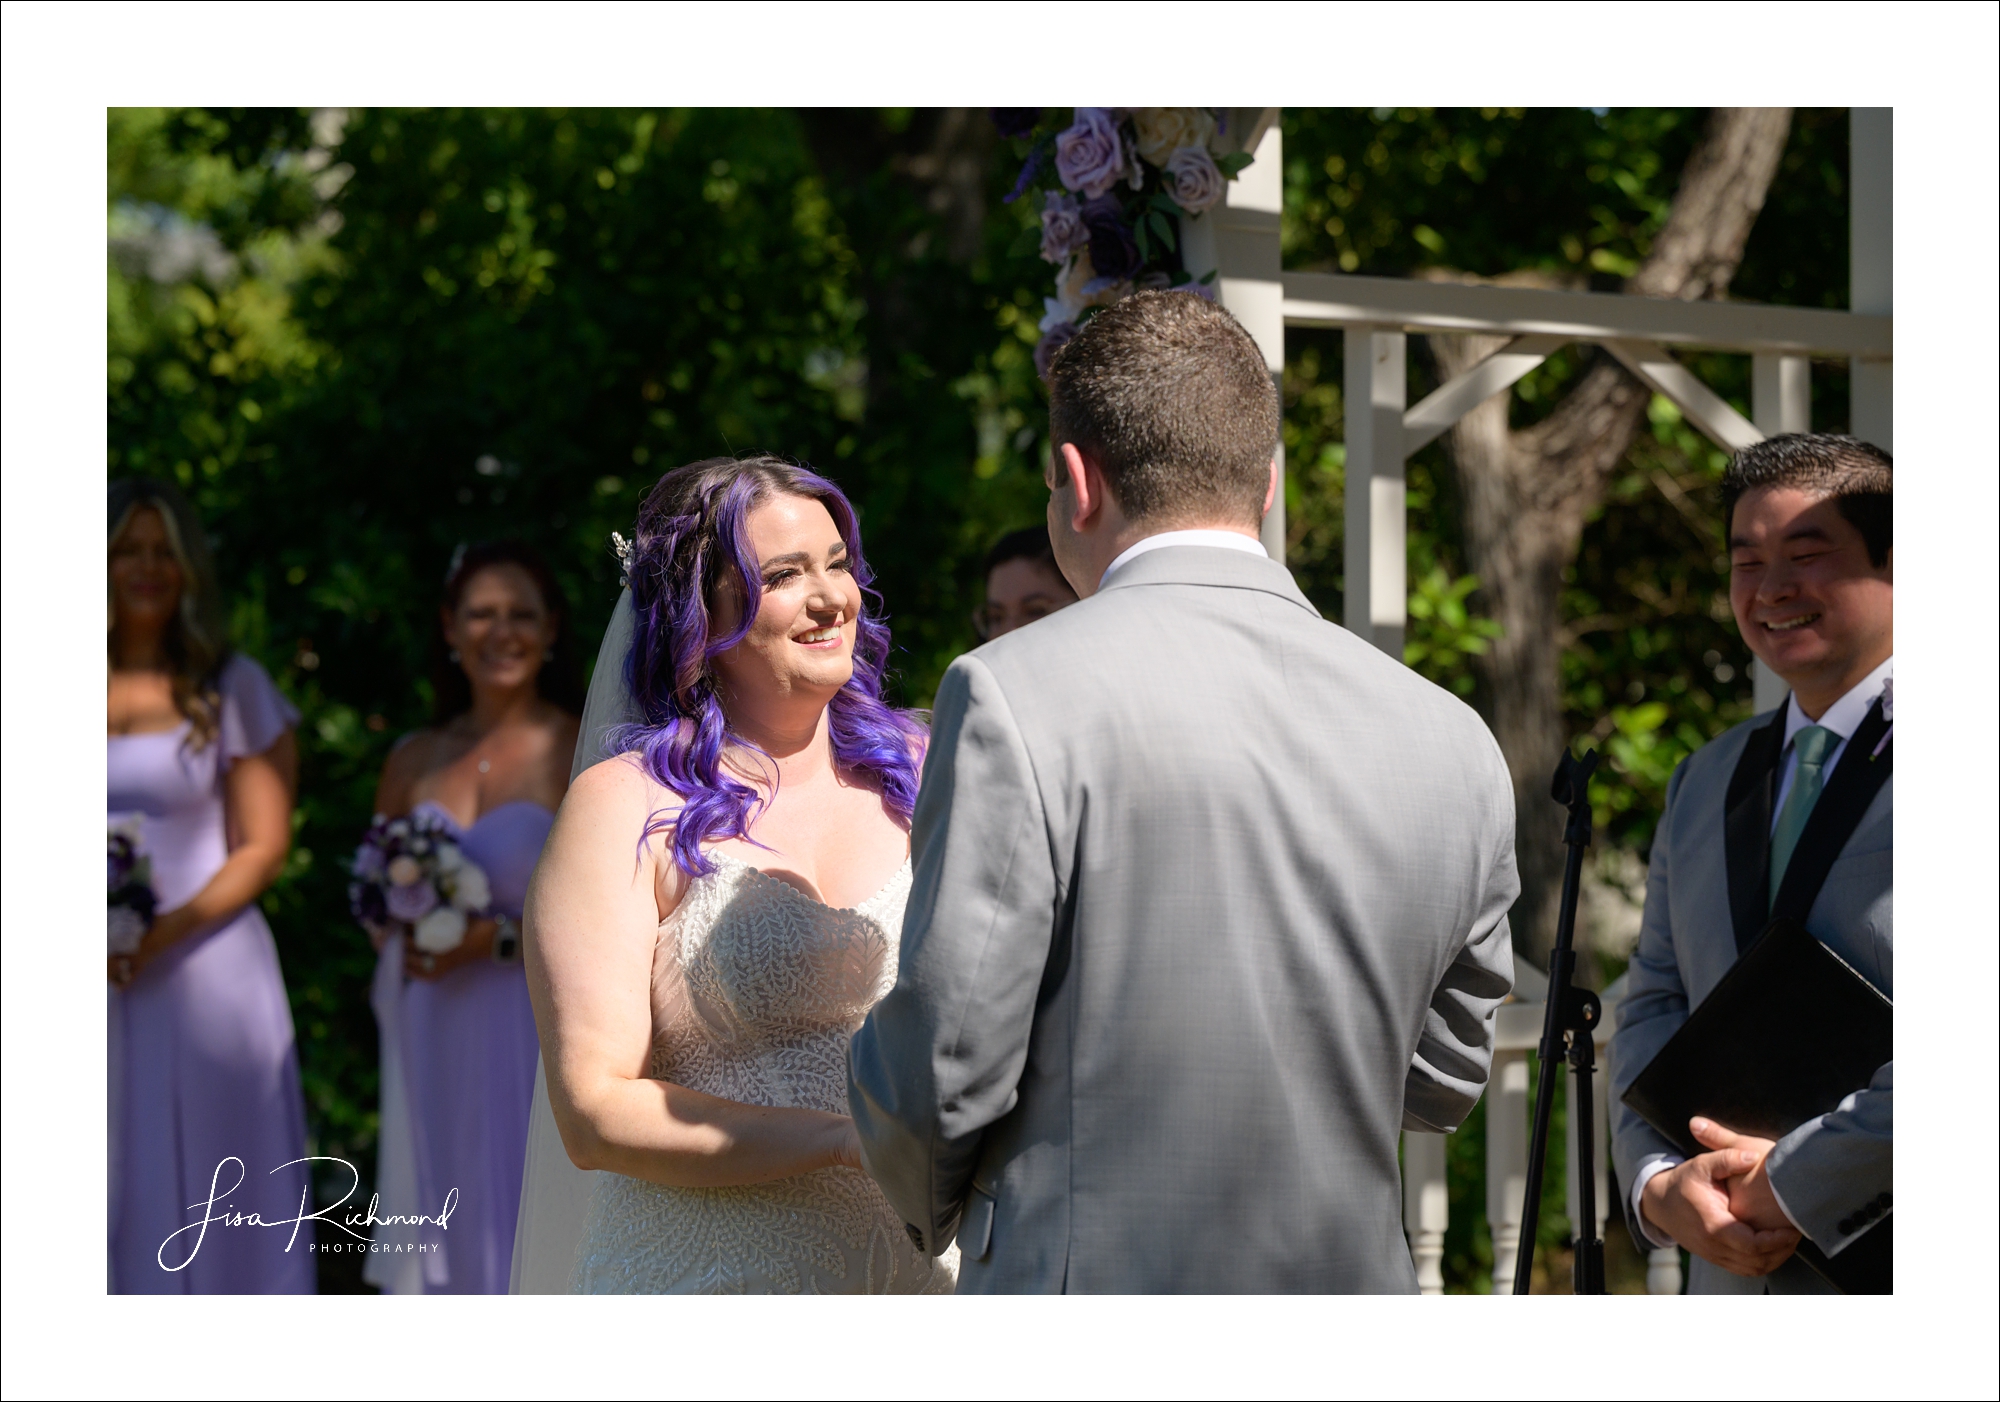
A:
<point x="1572" y="1015"/>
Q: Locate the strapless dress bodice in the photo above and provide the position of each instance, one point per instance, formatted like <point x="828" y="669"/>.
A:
<point x="505" y="842"/>
<point x="756" y="991"/>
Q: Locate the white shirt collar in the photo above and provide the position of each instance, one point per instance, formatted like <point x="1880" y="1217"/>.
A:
<point x="1221" y="540"/>
<point x="1844" y="716"/>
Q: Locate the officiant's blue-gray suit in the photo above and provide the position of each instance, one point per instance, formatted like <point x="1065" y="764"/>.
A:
<point x="1210" y="902"/>
<point x="1711" y="852"/>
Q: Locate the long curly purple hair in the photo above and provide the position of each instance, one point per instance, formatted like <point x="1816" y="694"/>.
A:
<point x="692" y="527"/>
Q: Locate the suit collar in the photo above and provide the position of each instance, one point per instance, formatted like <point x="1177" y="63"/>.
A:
<point x="1206" y="565"/>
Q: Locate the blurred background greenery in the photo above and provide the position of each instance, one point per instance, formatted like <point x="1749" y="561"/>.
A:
<point x="360" y="337"/>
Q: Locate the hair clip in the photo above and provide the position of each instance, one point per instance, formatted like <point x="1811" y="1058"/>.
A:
<point x="624" y="550"/>
<point x="457" y="559"/>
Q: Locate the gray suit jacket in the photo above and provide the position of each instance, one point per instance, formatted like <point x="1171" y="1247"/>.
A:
<point x="1210" y="902"/>
<point x="1827" y="1169"/>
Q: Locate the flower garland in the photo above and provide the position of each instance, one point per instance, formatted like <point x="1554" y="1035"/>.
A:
<point x="1114" y="183"/>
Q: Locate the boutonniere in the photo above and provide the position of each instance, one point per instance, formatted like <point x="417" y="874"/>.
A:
<point x="1888" y="714"/>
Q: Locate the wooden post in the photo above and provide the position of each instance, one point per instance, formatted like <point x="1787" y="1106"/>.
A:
<point x="1780" y="402"/>
<point x="1506" y="1159"/>
<point x="1426" y="1207"/>
<point x="1238" y="241"/>
<point x="1376" y="562"/>
<point x="1871" y="262"/>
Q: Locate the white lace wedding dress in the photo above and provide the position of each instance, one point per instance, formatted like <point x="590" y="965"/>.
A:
<point x="756" y="990"/>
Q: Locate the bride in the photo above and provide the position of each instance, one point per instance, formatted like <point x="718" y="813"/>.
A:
<point x="719" y="904"/>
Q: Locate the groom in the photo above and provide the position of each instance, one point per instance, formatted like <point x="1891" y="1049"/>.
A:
<point x="1210" y="897"/>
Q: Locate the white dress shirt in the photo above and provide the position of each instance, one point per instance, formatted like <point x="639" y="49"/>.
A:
<point x="1221" y="540"/>
<point x="1843" y="718"/>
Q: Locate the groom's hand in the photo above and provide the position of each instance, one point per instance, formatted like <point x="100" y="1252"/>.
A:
<point x="1691" y="1203"/>
<point x="1751" y="1199"/>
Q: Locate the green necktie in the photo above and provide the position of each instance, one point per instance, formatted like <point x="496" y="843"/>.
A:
<point x="1812" y="743"/>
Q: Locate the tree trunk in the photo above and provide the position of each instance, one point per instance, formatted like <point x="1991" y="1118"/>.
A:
<point x="1526" y="492"/>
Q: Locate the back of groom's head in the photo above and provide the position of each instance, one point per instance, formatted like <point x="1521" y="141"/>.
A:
<point x="1169" y="395"/>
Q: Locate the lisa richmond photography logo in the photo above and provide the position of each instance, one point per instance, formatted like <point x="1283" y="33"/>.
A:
<point x="217" y="1212"/>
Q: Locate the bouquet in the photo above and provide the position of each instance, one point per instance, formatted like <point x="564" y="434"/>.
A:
<point x="1115" y="182"/>
<point x="130" y="886"/>
<point x="413" y="872"/>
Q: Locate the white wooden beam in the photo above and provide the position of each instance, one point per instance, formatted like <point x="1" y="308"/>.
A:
<point x="1426" y="1207"/>
<point x="1705" y="409"/>
<point x="1450" y="402"/>
<point x="1780" y="402"/>
<point x="1781" y="394"/>
<point x="1376" y="563"/>
<point x="1871" y="188"/>
<point x="1342" y="299"/>
<point x="1238" y="241"/>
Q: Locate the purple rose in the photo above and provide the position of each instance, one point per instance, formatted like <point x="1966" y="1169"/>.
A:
<point x="413" y="902"/>
<point x="1194" y="181"/>
<point x="1062" y="227"/>
<point x="1113" y="251"/>
<point x="1015" y="121"/>
<point x="1053" y="340"/>
<point x="369" y="862"/>
<point x="1089" y="156"/>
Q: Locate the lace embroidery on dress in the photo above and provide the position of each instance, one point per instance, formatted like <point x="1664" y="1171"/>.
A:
<point x="756" y="990"/>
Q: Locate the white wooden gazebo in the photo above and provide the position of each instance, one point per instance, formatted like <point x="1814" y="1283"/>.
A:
<point x="1239" y="241"/>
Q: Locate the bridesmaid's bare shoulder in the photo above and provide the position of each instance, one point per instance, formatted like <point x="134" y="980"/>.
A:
<point x="410" y="758"/>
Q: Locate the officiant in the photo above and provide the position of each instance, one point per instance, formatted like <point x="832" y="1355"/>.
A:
<point x="1802" y="790"/>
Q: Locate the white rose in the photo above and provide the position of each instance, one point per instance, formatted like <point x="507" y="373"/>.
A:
<point x="405" y="871"/>
<point x="1197" y="183"/>
<point x="1161" y="131"/>
<point x="127" y="930"/>
<point x="449" y="858"/>
<point x="440" y="932"/>
<point x="470" y="889"/>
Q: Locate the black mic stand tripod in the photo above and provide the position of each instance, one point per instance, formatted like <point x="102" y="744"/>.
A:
<point x="1571" y="1018"/>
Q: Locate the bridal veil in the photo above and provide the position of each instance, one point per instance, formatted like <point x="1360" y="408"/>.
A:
<point x="555" y="1193"/>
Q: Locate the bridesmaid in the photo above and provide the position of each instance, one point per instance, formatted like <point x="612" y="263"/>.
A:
<point x="204" y="1089"/>
<point x="458" y="1035"/>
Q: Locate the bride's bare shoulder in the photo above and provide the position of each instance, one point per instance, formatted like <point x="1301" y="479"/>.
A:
<point x="618" y="787"/>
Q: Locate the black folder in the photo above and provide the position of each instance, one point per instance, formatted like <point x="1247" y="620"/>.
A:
<point x="1790" y="1032"/>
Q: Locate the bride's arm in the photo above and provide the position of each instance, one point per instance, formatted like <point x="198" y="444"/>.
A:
<point x="592" y="915"/>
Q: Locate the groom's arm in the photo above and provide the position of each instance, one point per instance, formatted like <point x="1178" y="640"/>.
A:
<point x="938" y="1059"/>
<point x="1455" y="1049"/>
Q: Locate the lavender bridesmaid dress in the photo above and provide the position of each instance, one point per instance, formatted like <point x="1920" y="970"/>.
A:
<point x="203" y="1069"/>
<point x="458" y="1069"/>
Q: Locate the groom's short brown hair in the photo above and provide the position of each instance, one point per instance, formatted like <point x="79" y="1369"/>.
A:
<point x="1170" y="396"/>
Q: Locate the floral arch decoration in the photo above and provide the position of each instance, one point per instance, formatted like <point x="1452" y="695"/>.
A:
<point x="1115" y="182"/>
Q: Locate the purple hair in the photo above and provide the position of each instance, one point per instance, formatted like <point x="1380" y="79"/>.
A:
<point x="691" y="528"/>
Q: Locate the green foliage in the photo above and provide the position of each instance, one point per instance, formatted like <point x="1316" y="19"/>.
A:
<point x="1442" y="634"/>
<point x="1488" y="190"/>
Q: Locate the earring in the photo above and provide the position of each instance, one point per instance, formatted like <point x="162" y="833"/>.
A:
<point x="454" y="656"/>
